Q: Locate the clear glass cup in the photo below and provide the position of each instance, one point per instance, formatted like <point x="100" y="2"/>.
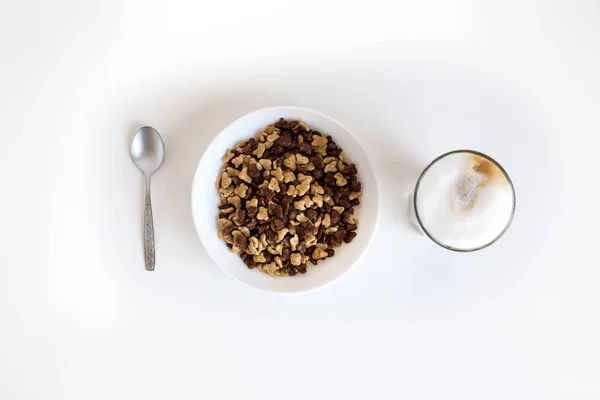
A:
<point x="463" y="200"/>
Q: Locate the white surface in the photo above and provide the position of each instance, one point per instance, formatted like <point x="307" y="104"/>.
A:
<point x="204" y="201"/>
<point x="81" y="318"/>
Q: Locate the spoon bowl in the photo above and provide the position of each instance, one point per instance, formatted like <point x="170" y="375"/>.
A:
<point x="147" y="150"/>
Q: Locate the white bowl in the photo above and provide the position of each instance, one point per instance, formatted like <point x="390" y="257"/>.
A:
<point x="205" y="200"/>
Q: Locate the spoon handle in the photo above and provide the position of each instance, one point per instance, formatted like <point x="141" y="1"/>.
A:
<point x="148" y="230"/>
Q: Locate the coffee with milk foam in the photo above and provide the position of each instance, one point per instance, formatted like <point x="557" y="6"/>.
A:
<point x="464" y="201"/>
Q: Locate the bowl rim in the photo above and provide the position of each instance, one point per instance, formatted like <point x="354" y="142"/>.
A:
<point x="376" y="190"/>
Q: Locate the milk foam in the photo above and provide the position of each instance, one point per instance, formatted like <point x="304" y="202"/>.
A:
<point x="464" y="201"/>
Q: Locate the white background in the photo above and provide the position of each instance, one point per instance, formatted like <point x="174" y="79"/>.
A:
<point x="82" y="319"/>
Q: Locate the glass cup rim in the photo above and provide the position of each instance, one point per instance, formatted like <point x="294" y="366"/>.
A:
<point x="431" y="164"/>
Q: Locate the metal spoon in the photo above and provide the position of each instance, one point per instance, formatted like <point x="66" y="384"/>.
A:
<point x="148" y="154"/>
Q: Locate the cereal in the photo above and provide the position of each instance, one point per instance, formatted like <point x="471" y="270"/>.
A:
<point x="287" y="198"/>
<point x="252" y="203"/>
<point x="229" y="154"/>
<point x="274" y="185"/>
<point x="289" y="176"/>
<point x="278" y="174"/>
<point x="225" y="180"/>
<point x="331" y="167"/>
<point x="244" y="175"/>
<point x="241" y="190"/>
<point x="319" y="251"/>
<point x="340" y="180"/>
<point x="236" y="201"/>
<point x="262" y="215"/>
<point x="301" y="160"/>
<point x="265" y="163"/>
